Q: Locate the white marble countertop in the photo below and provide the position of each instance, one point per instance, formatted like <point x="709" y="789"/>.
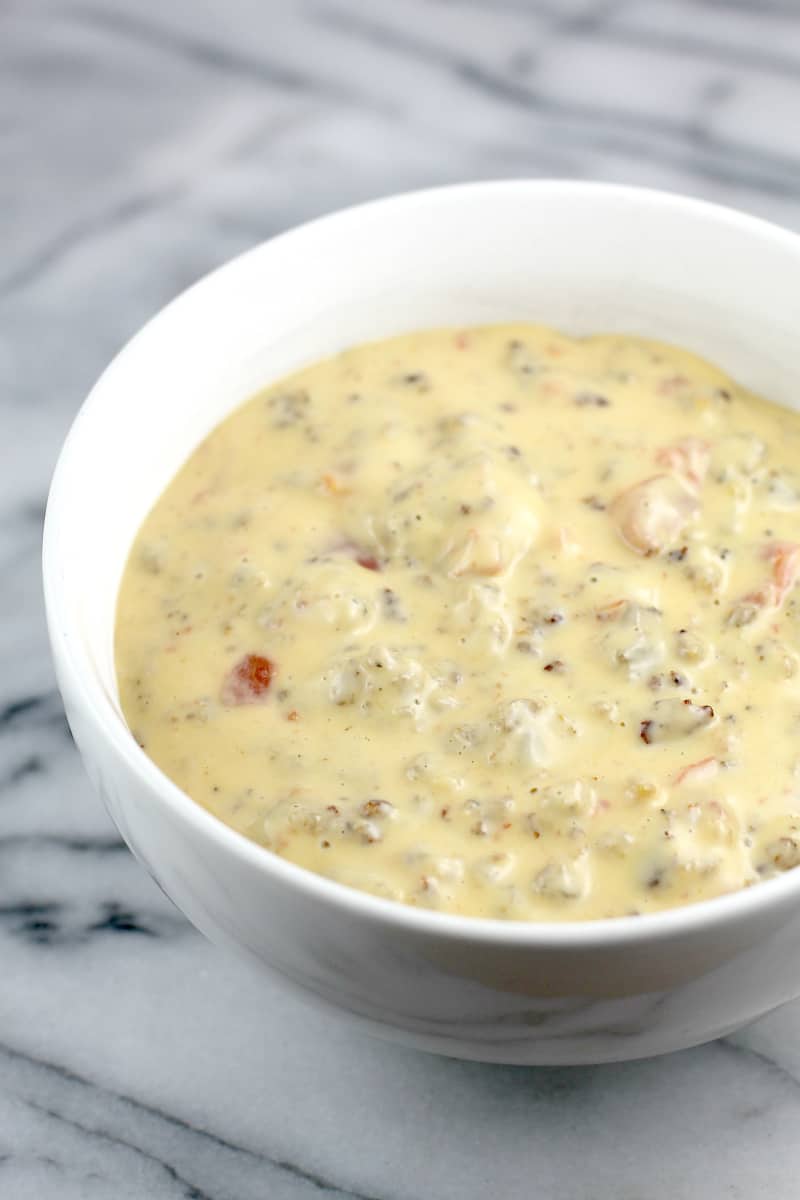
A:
<point x="141" y="144"/>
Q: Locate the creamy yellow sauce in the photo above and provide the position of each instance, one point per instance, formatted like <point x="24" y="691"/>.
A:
<point x="493" y="621"/>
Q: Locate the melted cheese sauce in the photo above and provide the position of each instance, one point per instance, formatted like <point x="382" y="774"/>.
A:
<point x="495" y="621"/>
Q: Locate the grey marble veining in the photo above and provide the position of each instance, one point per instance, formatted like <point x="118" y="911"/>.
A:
<point x="141" y="144"/>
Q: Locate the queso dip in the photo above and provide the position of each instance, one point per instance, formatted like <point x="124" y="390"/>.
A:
<point x="491" y="621"/>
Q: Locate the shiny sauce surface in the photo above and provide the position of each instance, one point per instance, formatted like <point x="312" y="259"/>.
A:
<point x="492" y="621"/>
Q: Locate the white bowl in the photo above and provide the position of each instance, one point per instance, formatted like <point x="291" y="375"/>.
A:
<point x="582" y="257"/>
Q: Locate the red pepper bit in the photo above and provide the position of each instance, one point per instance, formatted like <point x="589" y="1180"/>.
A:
<point x="248" y="682"/>
<point x="368" y="562"/>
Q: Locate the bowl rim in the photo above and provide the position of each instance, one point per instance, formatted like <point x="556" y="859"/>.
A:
<point x="85" y="685"/>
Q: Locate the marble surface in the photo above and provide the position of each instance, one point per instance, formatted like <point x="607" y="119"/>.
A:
<point x="141" y="144"/>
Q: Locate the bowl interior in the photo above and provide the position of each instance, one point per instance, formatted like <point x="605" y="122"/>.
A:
<point x="582" y="257"/>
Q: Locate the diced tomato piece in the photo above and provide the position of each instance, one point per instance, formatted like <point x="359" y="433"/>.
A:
<point x="359" y="553"/>
<point x="785" y="559"/>
<point x="698" y="773"/>
<point x="687" y="458"/>
<point x="248" y="682"/>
